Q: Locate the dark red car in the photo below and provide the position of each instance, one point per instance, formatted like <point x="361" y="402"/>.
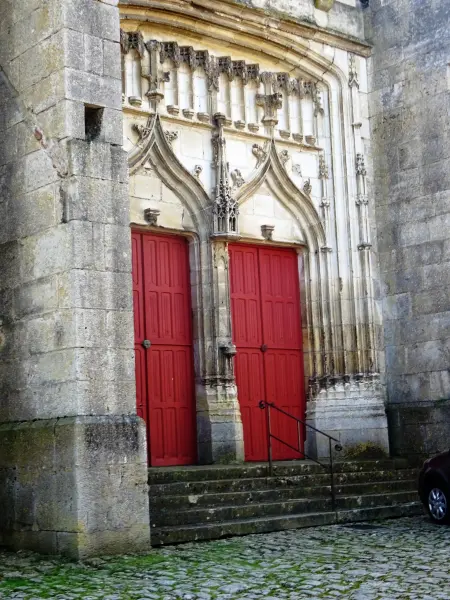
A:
<point x="434" y="487"/>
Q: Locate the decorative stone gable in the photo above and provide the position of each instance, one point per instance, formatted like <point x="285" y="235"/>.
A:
<point x="258" y="141"/>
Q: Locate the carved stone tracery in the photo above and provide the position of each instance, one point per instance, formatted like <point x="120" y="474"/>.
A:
<point x="226" y="208"/>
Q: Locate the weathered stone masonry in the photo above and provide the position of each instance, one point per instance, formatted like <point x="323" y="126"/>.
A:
<point x="258" y="129"/>
<point x="410" y="123"/>
<point x="72" y="460"/>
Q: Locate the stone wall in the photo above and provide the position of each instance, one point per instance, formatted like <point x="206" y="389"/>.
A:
<point x="409" y="104"/>
<point x="72" y="460"/>
<point x="342" y="16"/>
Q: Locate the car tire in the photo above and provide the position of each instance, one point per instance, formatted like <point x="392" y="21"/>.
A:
<point x="437" y="502"/>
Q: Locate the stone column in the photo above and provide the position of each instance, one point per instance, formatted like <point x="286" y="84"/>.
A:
<point x="72" y="460"/>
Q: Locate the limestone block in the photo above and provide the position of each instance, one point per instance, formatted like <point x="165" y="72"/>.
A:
<point x="93" y="18"/>
<point x="36" y="297"/>
<point x="93" y="89"/>
<point x="85" y="458"/>
<point x="97" y="200"/>
<point x="111" y="59"/>
<point x="93" y="54"/>
<point x="95" y="289"/>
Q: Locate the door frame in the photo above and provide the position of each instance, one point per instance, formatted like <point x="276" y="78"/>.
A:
<point x="192" y="245"/>
<point x="299" y="250"/>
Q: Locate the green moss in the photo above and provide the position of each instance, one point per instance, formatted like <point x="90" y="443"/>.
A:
<point x="365" y="450"/>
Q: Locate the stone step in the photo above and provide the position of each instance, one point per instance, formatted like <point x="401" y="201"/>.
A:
<point x="374" y="500"/>
<point x="161" y="475"/>
<point x="220" y="486"/>
<point x="178" y="502"/>
<point x="394" y="485"/>
<point x="227" y="512"/>
<point x="218" y="514"/>
<point x="208" y="531"/>
<point x="238" y="498"/>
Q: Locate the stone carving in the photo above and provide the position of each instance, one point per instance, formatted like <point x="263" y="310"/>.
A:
<point x="238" y="180"/>
<point x="267" y="232"/>
<point x="188" y="113"/>
<point x="143" y="132"/>
<point x="240" y="70"/>
<point x="260" y="153"/>
<point x="132" y="40"/>
<point x="151" y="216"/>
<point x="154" y="94"/>
<point x="228" y="352"/>
<point x="310" y="139"/>
<point x="225" y="65"/>
<point x="323" y="169"/>
<point x="198" y="169"/>
<point x="171" y="136"/>
<point x="271" y="103"/>
<point x="307" y="187"/>
<point x="212" y="74"/>
<point x="353" y="79"/>
<point x="317" y="100"/>
<point x="284" y="156"/>
<point x="360" y="165"/>
<point x="297" y="170"/>
<point x="325" y="5"/>
<point x="170" y="50"/>
<point x="226" y="209"/>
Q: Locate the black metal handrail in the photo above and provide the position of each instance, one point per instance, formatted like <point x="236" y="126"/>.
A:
<point x="269" y="405"/>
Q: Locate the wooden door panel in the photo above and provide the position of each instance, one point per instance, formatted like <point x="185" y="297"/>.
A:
<point x="164" y="371"/>
<point x="284" y="381"/>
<point x="265" y="303"/>
<point x="250" y="381"/>
<point x="245" y="297"/>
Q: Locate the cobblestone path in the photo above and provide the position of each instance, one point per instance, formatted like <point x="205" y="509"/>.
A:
<point x="399" y="559"/>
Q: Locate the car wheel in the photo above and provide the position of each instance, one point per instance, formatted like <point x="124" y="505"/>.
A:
<point x="438" y="503"/>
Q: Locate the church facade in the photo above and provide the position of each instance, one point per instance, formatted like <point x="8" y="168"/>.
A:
<point x="206" y="205"/>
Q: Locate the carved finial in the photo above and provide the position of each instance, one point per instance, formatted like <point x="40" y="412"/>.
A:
<point x="307" y="187"/>
<point x="267" y="232"/>
<point x="171" y="136"/>
<point x="238" y="180"/>
<point x="226" y="209"/>
<point x="353" y="79"/>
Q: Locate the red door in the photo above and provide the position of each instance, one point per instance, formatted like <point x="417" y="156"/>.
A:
<point x="163" y="344"/>
<point x="265" y="304"/>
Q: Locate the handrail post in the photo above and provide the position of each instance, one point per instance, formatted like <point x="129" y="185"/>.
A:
<point x="333" y="496"/>
<point x="269" y="439"/>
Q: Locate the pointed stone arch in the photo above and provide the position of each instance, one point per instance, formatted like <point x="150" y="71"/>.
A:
<point x="297" y="203"/>
<point x="154" y="148"/>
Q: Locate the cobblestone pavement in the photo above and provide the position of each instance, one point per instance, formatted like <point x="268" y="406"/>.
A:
<point x="399" y="559"/>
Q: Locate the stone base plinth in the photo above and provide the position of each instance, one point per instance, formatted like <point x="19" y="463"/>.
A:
<point x="354" y="413"/>
<point x="74" y="486"/>
<point x="220" y="435"/>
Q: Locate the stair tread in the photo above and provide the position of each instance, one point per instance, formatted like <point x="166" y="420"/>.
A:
<point x="242" y="521"/>
<point x="307" y="499"/>
<point x="273" y="518"/>
<point x="275" y="478"/>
